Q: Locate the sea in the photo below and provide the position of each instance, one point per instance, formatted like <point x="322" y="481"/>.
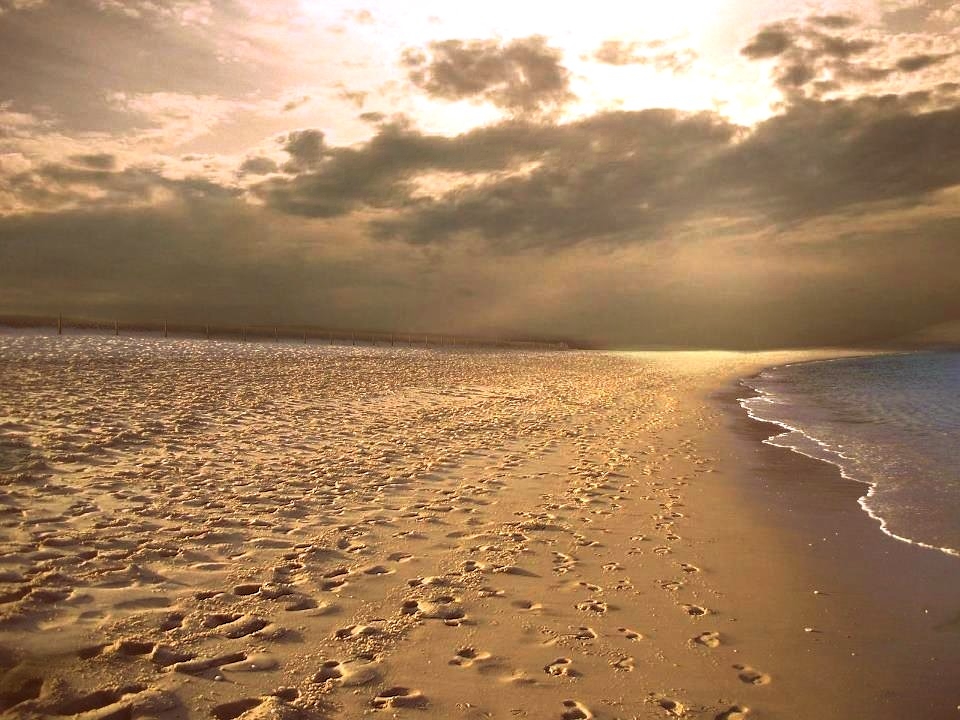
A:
<point x="891" y="422"/>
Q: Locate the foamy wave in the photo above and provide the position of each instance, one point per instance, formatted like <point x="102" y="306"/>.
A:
<point x="801" y="442"/>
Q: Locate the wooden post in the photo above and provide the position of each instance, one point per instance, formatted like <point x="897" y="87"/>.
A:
<point x="116" y="328"/>
<point x="165" y="328"/>
<point x="304" y="337"/>
<point x="206" y="331"/>
<point x="330" y="336"/>
<point x="391" y="339"/>
<point x="426" y="342"/>
<point x="243" y="334"/>
<point x="59" y="324"/>
<point x="353" y="338"/>
<point x="275" y="337"/>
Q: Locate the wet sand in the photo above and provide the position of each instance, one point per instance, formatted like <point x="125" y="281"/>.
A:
<point x="196" y="530"/>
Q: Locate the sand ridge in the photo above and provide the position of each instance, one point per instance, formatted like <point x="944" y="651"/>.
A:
<point x="195" y="529"/>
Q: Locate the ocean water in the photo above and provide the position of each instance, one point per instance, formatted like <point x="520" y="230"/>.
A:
<point x="891" y="422"/>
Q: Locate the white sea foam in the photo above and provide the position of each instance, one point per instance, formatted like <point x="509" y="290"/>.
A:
<point x="887" y="422"/>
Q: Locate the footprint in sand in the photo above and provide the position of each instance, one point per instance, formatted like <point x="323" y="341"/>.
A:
<point x="573" y="710"/>
<point x="708" y="639"/>
<point x="673" y="707"/>
<point x="624" y="663"/>
<point x="377" y="570"/>
<point x="734" y="712"/>
<point x="630" y="634"/>
<point x="583" y="633"/>
<point x="561" y="667"/>
<point x="611" y="567"/>
<point x="671" y="585"/>
<point x="751" y="676"/>
<point x="398" y="697"/>
<point x="399" y="557"/>
<point x="590" y="586"/>
<point x="519" y="677"/>
<point x="695" y="610"/>
<point x="240" y="626"/>
<point x="468" y="656"/>
<point x="687" y="567"/>
<point x="486" y="592"/>
<point x="202" y="665"/>
<point x="256" y="662"/>
<point x="234" y="709"/>
<point x="594" y="606"/>
<point x="442" y="607"/>
<point x="428" y="581"/>
<point x="352" y="632"/>
<point x="349" y="673"/>
<point x="527" y="605"/>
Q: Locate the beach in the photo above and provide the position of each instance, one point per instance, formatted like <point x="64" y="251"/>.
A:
<point x="198" y="529"/>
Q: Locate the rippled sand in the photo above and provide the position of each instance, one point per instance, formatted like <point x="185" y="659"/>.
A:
<point x="204" y="529"/>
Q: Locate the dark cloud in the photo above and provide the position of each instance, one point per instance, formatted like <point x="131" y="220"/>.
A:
<point x="834" y="22"/>
<point x="811" y="62"/>
<point x="770" y="42"/>
<point x="219" y="260"/>
<point x="523" y="75"/>
<point x="618" y="52"/>
<point x="819" y="158"/>
<point x="627" y="177"/>
<point x="97" y="161"/>
<point x="613" y="177"/>
<point x="305" y="147"/>
<point x="913" y="63"/>
<point x="55" y="186"/>
<point x="257" y="166"/>
<point x="379" y="173"/>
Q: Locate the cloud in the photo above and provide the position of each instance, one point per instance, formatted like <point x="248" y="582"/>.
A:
<point x="258" y="166"/>
<point x="306" y="149"/>
<point x="618" y="52"/>
<point x="94" y="181"/>
<point x="834" y="22"/>
<point x="770" y="42"/>
<point x="96" y="161"/>
<point x="523" y="75"/>
<point x="810" y="62"/>
<point x="921" y="61"/>
<point x="379" y="173"/>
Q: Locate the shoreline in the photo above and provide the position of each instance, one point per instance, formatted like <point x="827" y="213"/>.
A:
<point x="828" y="453"/>
<point x="888" y="607"/>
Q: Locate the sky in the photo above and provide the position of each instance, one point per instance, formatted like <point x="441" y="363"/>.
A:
<point x="699" y="173"/>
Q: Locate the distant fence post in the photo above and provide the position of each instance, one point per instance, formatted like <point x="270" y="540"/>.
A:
<point x="304" y="337"/>
<point x="330" y="336"/>
<point x="243" y="334"/>
<point x="116" y="328"/>
<point x="165" y="328"/>
<point x="275" y="336"/>
<point x="59" y="324"/>
<point x="391" y="339"/>
<point x="353" y="338"/>
<point x="206" y="331"/>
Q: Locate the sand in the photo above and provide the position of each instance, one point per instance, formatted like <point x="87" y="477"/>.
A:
<point x="202" y="529"/>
